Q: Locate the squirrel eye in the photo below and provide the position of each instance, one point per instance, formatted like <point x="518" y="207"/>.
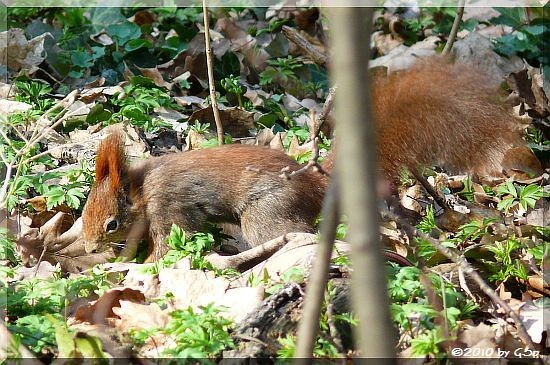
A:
<point x="111" y="226"/>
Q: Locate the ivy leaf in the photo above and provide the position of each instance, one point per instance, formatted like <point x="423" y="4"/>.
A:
<point x="123" y="32"/>
<point x="81" y="59"/>
<point x="137" y="44"/>
<point x="513" y="17"/>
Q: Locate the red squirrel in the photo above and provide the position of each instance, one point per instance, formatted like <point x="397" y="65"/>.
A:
<point x="434" y="113"/>
<point x="236" y="184"/>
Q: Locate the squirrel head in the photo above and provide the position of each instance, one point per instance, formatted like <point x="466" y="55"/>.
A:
<point x="106" y="216"/>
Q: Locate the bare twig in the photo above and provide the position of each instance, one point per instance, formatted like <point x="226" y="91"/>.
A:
<point x="8" y="141"/>
<point x="454" y="29"/>
<point x="430" y="189"/>
<point x="317" y="283"/>
<point x="313" y="162"/>
<point x="334" y="333"/>
<point x="471" y="272"/>
<point x="37" y="136"/>
<point x="327" y="106"/>
<point x="310" y="50"/>
<point x="210" y="67"/>
<point x="246" y="259"/>
<point x="47" y="152"/>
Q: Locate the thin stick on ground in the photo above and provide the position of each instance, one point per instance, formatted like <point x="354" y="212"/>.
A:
<point x="317" y="283"/>
<point x="454" y="29"/>
<point x="210" y="68"/>
<point x="471" y="272"/>
<point x="430" y="189"/>
<point x="37" y="136"/>
<point x="309" y="49"/>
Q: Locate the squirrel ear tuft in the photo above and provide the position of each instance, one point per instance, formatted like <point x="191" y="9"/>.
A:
<point x="110" y="160"/>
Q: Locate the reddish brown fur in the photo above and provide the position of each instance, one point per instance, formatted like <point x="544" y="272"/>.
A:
<point x="235" y="184"/>
<point x="433" y="114"/>
<point x="110" y="161"/>
<point x="437" y="113"/>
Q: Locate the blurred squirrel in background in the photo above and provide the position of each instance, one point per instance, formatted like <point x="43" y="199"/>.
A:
<point x="435" y="113"/>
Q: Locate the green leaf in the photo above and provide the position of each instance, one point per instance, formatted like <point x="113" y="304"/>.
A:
<point x="55" y="196"/>
<point x="135" y="113"/>
<point x="514" y="17"/>
<point x="538" y="250"/>
<point x="63" y="337"/>
<point x="89" y="347"/>
<point x="268" y="75"/>
<point x="506" y="204"/>
<point x="294" y="274"/>
<point x="137" y="44"/>
<point x="81" y="59"/>
<point x="98" y="114"/>
<point x="268" y="119"/>
<point x="123" y="32"/>
<point x="98" y="52"/>
<point x="535" y="30"/>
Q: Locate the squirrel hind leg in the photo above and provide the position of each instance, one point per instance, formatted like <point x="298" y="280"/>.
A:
<point x="260" y="224"/>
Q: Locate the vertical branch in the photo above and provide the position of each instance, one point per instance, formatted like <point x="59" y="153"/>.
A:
<point x="356" y="167"/>
<point x="210" y="67"/>
<point x="317" y="283"/>
<point x="454" y="29"/>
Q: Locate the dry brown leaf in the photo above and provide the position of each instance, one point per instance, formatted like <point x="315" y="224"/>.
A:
<point x="264" y="137"/>
<point x="98" y="82"/>
<point x="294" y="148"/>
<point x="195" y="139"/>
<point x="134" y="315"/>
<point x="8" y="107"/>
<point x="477" y="50"/>
<point x="528" y="84"/>
<point x="101" y="309"/>
<point x="403" y="57"/>
<point x="65" y="247"/>
<point x="386" y="42"/>
<point x="191" y="287"/>
<point x="537" y="282"/>
<point x="18" y="53"/>
<point x="521" y="163"/>
<point x="137" y="279"/>
<point x="155" y="75"/>
<point x="7" y="91"/>
<point x="256" y="96"/>
<point x="480" y="340"/>
<point x="277" y="141"/>
<point x="45" y="270"/>
<point x="189" y="100"/>
<point x="143" y="17"/>
<point x="503" y="293"/>
<point x="102" y="38"/>
<point x="532" y="316"/>
<point x="235" y="121"/>
<point x="241" y="301"/>
<point x="394" y="239"/>
<point x="411" y="197"/>
<point x="230" y="29"/>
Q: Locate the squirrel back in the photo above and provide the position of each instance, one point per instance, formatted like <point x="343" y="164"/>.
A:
<point x="437" y="113"/>
<point x="450" y="115"/>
